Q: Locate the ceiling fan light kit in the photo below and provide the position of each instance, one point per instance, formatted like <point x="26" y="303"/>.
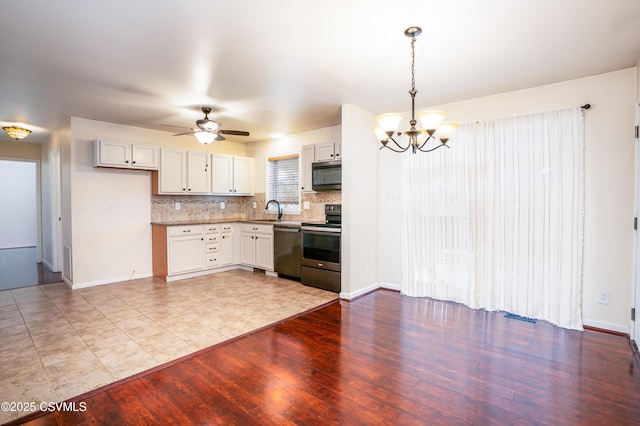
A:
<point x="207" y="130"/>
<point x="433" y="125"/>
<point x="16" y="132"/>
<point x="205" y="138"/>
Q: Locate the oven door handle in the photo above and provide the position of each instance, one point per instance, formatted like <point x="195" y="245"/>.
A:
<point x="320" y="231"/>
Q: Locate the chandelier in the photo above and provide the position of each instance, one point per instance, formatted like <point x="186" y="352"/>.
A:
<point x="16" y="133"/>
<point x="434" y="127"/>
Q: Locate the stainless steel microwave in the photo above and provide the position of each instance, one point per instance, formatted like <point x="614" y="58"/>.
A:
<point x="326" y="176"/>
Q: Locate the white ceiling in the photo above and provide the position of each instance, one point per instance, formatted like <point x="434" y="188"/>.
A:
<point x="287" y="65"/>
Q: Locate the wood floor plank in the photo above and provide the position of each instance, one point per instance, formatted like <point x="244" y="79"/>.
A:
<point x="387" y="359"/>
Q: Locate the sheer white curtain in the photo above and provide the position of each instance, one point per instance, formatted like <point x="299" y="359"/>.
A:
<point x="496" y="222"/>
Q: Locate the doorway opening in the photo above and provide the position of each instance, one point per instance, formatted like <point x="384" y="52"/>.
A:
<point x="20" y="226"/>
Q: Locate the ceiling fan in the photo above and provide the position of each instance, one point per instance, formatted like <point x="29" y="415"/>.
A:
<point x="207" y="130"/>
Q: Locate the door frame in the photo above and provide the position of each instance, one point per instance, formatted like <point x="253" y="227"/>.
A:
<point x="56" y="211"/>
<point x="635" y="324"/>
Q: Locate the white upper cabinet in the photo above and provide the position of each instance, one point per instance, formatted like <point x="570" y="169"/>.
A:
<point x="183" y="172"/>
<point x="145" y="157"/>
<point x="232" y="175"/>
<point x="198" y="172"/>
<point x="328" y="151"/>
<point x="125" y="155"/>
<point x="307" y="158"/>
<point x="173" y="171"/>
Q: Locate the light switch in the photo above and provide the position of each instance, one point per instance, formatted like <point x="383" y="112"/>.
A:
<point x="305" y="205"/>
<point x="111" y="206"/>
<point x="177" y="205"/>
<point x="222" y="205"/>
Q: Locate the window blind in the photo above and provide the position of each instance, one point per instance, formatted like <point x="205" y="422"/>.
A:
<point x="283" y="181"/>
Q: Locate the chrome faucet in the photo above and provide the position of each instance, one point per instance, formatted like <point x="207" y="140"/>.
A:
<point x="277" y="204"/>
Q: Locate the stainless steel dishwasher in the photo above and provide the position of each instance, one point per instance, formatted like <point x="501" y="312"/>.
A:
<point x="287" y="250"/>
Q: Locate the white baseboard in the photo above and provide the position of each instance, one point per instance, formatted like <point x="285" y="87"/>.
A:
<point x="606" y="326"/>
<point x="76" y="286"/>
<point x="368" y="289"/>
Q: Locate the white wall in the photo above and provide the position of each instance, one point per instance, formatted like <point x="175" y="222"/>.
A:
<point x="109" y="246"/>
<point x="360" y="196"/>
<point x="609" y="169"/>
<point x="18" y="215"/>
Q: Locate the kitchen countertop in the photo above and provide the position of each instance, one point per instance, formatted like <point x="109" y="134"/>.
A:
<point x="283" y="223"/>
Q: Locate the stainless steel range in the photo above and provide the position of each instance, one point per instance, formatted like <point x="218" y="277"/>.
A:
<point x="320" y="263"/>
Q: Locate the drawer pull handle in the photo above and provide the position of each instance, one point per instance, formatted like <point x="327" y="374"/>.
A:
<point x="186" y="230"/>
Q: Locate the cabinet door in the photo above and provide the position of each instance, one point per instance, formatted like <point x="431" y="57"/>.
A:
<point x="264" y="252"/>
<point x="173" y="163"/>
<point x="337" y="150"/>
<point x="186" y="253"/>
<point x="226" y="249"/>
<point x="247" y="249"/>
<point x="243" y="175"/>
<point x="112" y="154"/>
<point x="145" y="157"/>
<point x="305" y="168"/>
<point x="198" y="172"/>
<point x="222" y="174"/>
<point x="325" y="151"/>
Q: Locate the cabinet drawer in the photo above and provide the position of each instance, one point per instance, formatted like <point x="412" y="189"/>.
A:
<point x="212" y="238"/>
<point x="185" y="230"/>
<point x="213" y="260"/>
<point x="212" y="248"/>
<point x="212" y="229"/>
<point x="227" y="228"/>
<point x="257" y="229"/>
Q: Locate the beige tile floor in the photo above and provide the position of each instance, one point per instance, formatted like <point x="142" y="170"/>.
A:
<point x="57" y="343"/>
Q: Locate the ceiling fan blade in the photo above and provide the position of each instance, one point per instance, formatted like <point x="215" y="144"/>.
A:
<point x="220" y="138"/>
<point x="177" y="127"/>
<point x="233" y="132"/>
<point x="184" y="133"/>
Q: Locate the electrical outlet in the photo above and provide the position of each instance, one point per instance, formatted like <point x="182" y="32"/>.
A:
<point x="255" y="205"/>
<point x="603" y="297"/>
<point x="111" y="206"/>
<point x="222" y="205"/>
<point x="177" y="205"/>
<point x="306" y="205"/>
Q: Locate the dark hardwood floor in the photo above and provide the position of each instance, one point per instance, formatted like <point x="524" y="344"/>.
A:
<point x="385" y="359"/>
<point x="18" y="268"/>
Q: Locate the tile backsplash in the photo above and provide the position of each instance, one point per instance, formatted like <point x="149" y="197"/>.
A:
<point x="209" y="207"/>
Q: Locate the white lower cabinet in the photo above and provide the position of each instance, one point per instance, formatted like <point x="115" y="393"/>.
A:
<point x="183" y="251"/>
<point x="256" y="246"/>
<point x="186" y="247"/>
<point x="226" y="245"/>
<point x="212" y="246"/>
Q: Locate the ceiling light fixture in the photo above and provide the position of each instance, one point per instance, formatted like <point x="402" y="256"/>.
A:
<point x="433" y="121"/>
<point x="205" y="137"/>
<point x="16" y="133"/>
